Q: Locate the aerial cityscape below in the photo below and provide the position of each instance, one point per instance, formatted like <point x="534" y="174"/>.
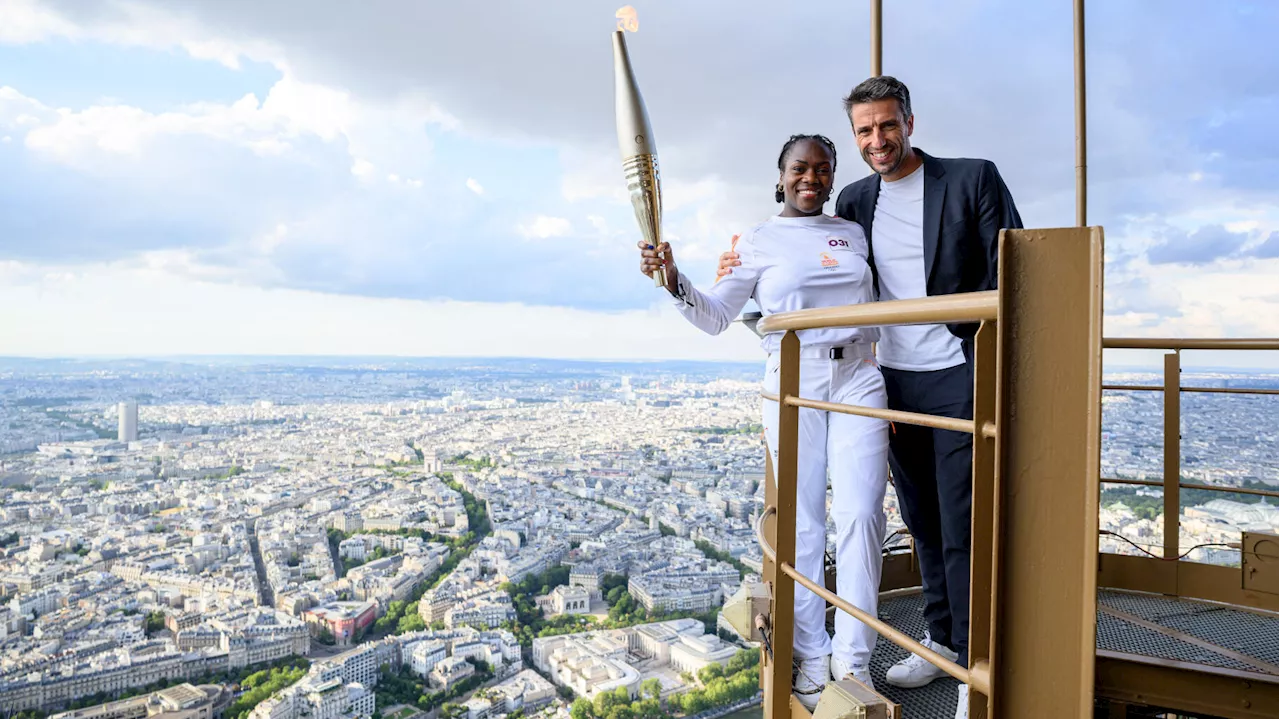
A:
<point x="273" y="538"/>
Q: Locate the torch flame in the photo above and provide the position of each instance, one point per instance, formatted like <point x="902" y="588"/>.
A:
<point x="627" y="19"/>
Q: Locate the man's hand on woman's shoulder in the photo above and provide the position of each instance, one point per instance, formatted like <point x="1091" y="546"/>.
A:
<point x="728" y="260"/>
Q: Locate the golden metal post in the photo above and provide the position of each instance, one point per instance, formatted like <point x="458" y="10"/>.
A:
<point x="876" y="48"/>
<point x="784" y="588"/>
<point x="1048" y="410"/>
<point x="986" y="499"/>
<point x="1082" y="185"/>
<point x="1172" y="453"/>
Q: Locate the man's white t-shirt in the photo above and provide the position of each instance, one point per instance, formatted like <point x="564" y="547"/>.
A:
<point x="789" y="263"/>
<point x="897" y="230"/>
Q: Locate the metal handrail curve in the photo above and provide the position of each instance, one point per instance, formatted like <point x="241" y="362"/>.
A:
<point x="965" y="307"/>
<point x="977" y="679"/>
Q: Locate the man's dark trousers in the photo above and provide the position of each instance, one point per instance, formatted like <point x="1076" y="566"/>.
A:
<point x="932" y="475"/>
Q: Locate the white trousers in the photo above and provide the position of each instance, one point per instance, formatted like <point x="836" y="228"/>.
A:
<point x="854" y="450"/>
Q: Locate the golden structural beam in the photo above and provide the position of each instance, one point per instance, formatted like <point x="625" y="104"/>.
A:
<point x="1146" y="681"/>
<point x="1048" y="409"/>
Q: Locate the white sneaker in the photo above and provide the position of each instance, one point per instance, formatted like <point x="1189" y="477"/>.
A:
<point x="962" y="703"/>
<point x="841" y="669"/>
<point x="809" y="678"/>
<point x="914" y="671"/>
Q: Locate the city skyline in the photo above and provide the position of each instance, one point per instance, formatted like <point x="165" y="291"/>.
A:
<point x="463" y="522"/>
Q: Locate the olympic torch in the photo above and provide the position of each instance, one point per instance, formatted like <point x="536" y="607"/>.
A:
<point x="635" y="140"/>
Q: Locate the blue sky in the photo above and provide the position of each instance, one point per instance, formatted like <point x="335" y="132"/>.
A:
<point x="428" y="178"/>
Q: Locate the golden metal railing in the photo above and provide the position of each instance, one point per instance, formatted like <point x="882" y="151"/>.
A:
<point x="1187" y="343"/>
<point x="1172" y="482"/>
<point x="1034" y="495"/>
<point x="891" y="415"/>
<point x="971" y="307"/>
<point x="1193" y="485"/>
<point x="882" y="628"/>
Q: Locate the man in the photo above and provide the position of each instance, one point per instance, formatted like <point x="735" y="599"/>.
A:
<point x="932" y="226"/>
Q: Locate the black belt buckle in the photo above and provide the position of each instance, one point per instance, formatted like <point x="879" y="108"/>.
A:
<point x="836" y="353"/>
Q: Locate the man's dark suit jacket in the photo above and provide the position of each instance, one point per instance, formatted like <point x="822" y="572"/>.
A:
<point x="966" y="204"/>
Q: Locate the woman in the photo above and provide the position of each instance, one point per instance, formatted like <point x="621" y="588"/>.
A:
<point x="796" y="260"/>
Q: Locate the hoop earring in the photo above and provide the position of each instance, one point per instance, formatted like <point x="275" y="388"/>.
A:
<point x="778" y="196"/>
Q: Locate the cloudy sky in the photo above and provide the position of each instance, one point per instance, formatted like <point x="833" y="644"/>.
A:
<point x="417" y="177"/>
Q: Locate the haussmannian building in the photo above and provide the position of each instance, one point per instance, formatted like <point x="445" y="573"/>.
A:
<point x="182" y="701"/>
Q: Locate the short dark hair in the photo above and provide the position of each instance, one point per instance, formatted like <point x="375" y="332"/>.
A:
<point x="790" y="143"/>
<point x="882" y="87"/>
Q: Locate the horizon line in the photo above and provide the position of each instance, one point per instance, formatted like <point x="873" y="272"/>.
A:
<point x="381" y="357"/>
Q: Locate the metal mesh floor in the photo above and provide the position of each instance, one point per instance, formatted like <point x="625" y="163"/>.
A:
<point x="938" y="699"/>
<point x="1118" y="635"/>
<point x="1232" y="629"/>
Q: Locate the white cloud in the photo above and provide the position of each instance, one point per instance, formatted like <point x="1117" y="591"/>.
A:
<point x="268" y="242"/>
<point x="474" y="186"/>
<point x="132" y="24"/>
<point x="206" y="317"/>
<point x="543" y="227"/>
<point x="26" y="21"/>
<point x="592" y="174"/>
<point x="390" y="135"/>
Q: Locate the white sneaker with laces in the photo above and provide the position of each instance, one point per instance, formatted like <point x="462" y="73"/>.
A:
<point x="841" y="669"/>
<point x="962" y="703"/>
<point x="809" y="678"/>
<point x="914" y="671"/>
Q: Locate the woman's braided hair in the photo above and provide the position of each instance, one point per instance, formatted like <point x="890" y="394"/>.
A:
<point x="782" y="157"/>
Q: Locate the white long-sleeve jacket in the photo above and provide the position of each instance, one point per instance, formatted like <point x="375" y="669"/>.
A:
<point x="788" y="263"/>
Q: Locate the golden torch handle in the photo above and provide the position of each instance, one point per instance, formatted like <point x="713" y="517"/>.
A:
<point x="645" y="188"/>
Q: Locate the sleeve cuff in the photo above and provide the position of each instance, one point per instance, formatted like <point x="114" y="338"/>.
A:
<point x="681" y="295"/>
